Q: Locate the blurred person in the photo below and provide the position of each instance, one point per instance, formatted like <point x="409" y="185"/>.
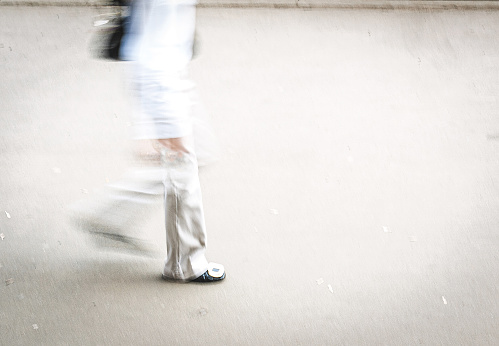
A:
<point x="159" y="39"/>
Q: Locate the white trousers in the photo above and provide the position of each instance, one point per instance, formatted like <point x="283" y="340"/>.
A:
<point x="159" y="41"/>
<point x="126" y="204"/>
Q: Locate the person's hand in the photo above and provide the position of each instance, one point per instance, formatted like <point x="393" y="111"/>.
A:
<point x="151" y="150"/>
<point x="174" y="145"/>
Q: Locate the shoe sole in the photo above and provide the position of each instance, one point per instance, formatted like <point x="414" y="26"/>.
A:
<point x="167" y="278"/>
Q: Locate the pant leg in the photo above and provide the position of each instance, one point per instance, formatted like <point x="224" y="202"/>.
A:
<point x="185" y="226"/>
<point x="123" y="205"/>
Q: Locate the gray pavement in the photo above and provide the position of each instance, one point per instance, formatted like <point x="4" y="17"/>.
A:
<point x="356" y="201"/>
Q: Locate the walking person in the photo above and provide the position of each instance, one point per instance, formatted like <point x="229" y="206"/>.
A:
<point x="159" y="40"/>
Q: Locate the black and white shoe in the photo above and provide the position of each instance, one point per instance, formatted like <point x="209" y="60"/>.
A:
<point x="215" y="273"/>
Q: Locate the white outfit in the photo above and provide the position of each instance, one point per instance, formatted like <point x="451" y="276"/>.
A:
<point x="159" y="40"/>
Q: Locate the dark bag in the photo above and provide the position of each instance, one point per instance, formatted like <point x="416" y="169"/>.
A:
<point x="112" y="49"/>
<point x="109" y="31"/>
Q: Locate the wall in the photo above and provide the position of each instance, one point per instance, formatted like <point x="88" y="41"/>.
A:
<point x="464" y="4"/>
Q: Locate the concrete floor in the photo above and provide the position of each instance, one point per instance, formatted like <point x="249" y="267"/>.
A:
<point x="356" y="201"/>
